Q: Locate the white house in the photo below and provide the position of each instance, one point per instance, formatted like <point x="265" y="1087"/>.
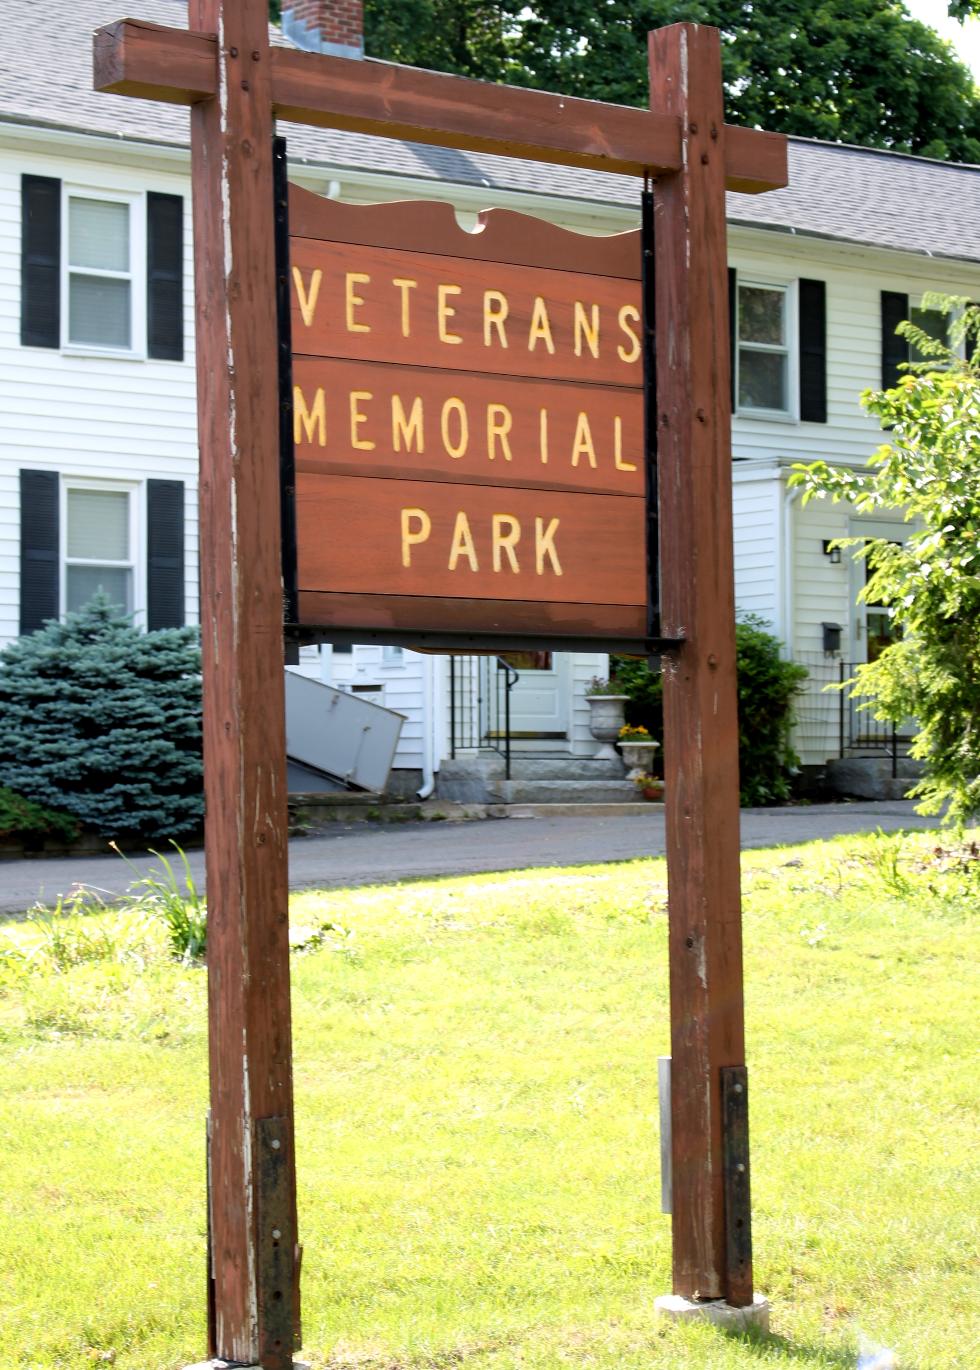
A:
<point x="98" y="453"/>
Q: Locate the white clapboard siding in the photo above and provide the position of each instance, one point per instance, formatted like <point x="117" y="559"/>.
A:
<point x="758" y="534"/>
<point x="94" y="416"/>
<point x="854" y="280"/>
<point x="585" y="665"/>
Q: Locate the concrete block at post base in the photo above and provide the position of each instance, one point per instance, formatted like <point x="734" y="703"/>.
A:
<point x="715" y="1311"/>
<point x="237" y="1365"/>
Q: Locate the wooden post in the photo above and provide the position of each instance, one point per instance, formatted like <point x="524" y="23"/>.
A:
<point x="252" y="1201"/>
<point x="700" y="716"/>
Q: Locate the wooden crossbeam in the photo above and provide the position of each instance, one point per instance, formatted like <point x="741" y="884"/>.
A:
<point x="132" y="57"/>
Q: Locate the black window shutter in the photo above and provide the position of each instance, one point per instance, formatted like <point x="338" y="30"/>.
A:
<point x="39" y="548"/>
<point x="732" y="315"/>
<point x="40" y="261"/>
<point x="164" y="554"/>
<point x="165" y="276"/>
<point x="813" y="351"/>
<point x="894" y="350"/>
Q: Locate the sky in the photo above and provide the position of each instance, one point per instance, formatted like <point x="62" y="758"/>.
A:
<point x="964" y="37"/>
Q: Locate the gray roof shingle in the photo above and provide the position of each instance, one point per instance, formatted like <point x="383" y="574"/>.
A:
<point x="853" y="194"/>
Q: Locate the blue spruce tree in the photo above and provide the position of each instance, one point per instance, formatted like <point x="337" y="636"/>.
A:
<point x="103" y="721"/>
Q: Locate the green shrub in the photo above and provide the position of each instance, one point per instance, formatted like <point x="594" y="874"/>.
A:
<point x="104" y="722"/>
<point x="645" y="706"/>
<point x="20" y="817"/>
<point x="768" y="684"/>
<point x="767" y="687"/>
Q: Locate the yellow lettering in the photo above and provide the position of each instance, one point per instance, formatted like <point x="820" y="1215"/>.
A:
<point x="310" y="420"/>
<point x="583" y="444"/>
<point x="544" y="545"/>
<point x="463" y="544"/>
<point x="505" y="542"/>
<point x="618" y="447"/>
<point x="357" y="418"/>
<point x="353" y="300"/>
<point x="499" y="422"/>
<point x="405" y="286"/>
<point x="543" y="435"/>
<point x="495" y="311"/>
<point x="587" y="329"/>
<point x="445" y="311"/>
<point x="307" y="298"/>
<point x="457" y="407"/>
<point x="411" y="537"/>
<point x="627" y="313"/>
<point x="540" y="329"/>
<point x="407" y="430"/>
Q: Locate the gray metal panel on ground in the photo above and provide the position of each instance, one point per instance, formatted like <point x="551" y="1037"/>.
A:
<point x="340" y="733"/>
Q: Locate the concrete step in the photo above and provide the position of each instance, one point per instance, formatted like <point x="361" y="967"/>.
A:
<point x="564" y="792"/>
<point x="631" y="809"/>
<point x="477" y="779"/>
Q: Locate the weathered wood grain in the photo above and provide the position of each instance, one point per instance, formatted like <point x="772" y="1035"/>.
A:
<point x="382" y="304"/>
<point x="354" y="537"/>
<point x="429" y="107"/>
<point x="508" y="623"/>
<point x="501" y="235"/>
<point x="532" y="434"/>
<point x="241" y="610"/>
<point x="700" y="718"/>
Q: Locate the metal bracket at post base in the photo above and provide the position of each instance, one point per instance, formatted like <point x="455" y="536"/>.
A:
<point x="735" y="1142"/>
<point x="278" y="1255"/>
<point x="738" y="1207"/>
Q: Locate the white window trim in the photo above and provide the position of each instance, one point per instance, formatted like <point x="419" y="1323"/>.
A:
<point x="791" y="414"/>
<point x="137" y="559"/>
<point x="137" y="271"/>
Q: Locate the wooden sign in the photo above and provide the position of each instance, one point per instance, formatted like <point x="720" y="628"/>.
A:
<point x="468" y="428"/>
<point x="447" y="479"/>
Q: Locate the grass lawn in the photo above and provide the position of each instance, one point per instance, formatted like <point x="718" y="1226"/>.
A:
<point x="477" y="1123"/>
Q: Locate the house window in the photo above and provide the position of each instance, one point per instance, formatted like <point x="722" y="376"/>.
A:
<point x="100" y="249"/>
<point x="763" y="354"/>
<point x="99" y="545"/>
<point x="935" y="324"/>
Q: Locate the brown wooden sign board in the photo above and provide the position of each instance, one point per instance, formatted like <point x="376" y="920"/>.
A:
<point x="236" y="86"/>
<point x="468" y="439"/>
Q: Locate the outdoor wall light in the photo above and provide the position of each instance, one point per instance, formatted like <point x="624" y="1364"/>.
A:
<point x="833" y="553"/>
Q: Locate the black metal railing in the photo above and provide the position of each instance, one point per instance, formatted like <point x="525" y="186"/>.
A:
<point x="831" y="716"/>
<point x="480" y="688"/>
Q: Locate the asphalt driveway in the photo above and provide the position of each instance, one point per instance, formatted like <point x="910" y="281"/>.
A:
<point x="363" y="853"/>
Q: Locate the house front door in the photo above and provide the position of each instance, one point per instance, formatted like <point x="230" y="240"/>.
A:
<point x="539" y="700"/>
<point x="872" y="628"/>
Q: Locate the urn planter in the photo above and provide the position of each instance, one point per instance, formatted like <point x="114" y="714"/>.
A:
<point x="638" y="757"/>
<point x="605" y="723"/>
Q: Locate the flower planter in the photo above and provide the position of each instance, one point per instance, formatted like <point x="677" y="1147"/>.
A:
<point x="605" y="723"/>
<point x="655" y="793"/>
<point x="638" y="757"/>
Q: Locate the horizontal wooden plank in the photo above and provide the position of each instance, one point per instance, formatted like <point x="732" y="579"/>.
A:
<point x="755" y="160"/>
<point x="477" y="622"/>
<point x="415" y="423"/>
<point x="133" y="57"/>
<point x="501" y="235"/>
<point x="362" y="535"/>
<point x="380" y="304"/>
<point x="476" y="116"/>
<point x="429" y="107"/>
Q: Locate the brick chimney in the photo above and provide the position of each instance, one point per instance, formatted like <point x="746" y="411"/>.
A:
<point x="332" y="26"/>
